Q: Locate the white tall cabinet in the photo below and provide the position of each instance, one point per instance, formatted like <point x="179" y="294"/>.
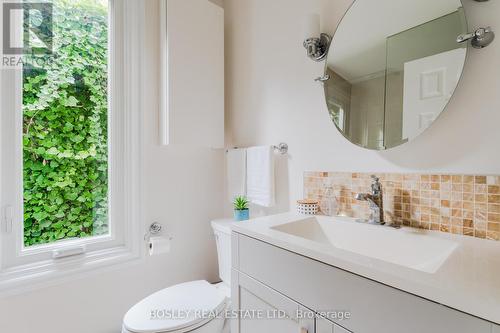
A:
<point x="192" y="73"/>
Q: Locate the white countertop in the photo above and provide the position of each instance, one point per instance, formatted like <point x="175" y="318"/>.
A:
<point x="468" y="281"/>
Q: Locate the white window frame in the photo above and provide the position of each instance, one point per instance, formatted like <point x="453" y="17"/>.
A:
<point x="20" y="266"/>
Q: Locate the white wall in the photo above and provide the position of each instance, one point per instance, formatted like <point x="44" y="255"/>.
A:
<point x="182" y="188"/>
<point x="219" y="3"/>
<point x="271" y="97"/>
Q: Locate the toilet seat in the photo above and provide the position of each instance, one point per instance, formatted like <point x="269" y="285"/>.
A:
<point x="180" y="308"/>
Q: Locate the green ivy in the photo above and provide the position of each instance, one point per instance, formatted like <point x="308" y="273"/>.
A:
<point x="65" y="128"/>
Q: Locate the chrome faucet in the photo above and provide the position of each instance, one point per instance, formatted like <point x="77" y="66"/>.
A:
<point x="375" y="199"/>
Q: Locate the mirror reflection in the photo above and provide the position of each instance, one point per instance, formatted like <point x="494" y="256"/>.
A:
<point x="394" y="73"/>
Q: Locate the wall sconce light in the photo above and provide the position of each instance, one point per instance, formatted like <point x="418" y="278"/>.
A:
<point x="481" y="38"/>
<point x="316" y="43"/>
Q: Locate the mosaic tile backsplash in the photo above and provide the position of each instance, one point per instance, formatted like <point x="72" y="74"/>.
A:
<point x="460" y="204"/>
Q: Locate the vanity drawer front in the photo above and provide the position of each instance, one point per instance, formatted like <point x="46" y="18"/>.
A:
<point x="374" y="307"/>
<point x="325" y="326"/>
<point x="277" y="313"/>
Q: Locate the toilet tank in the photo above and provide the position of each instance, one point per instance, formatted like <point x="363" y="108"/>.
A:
<point x="222" y="232"/>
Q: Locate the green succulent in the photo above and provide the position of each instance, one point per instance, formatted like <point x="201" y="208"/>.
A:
<point x="241" y="203"/>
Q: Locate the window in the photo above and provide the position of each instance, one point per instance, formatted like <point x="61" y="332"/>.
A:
<point x="68" y="171"/>
<point x="65" y="127"/>
<point x="337" y="113"/>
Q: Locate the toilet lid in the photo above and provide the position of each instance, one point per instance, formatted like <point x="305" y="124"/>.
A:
<point x="176" y="308"/>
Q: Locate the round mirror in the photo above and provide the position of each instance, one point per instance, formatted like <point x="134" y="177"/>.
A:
<point x="393" y="66"/>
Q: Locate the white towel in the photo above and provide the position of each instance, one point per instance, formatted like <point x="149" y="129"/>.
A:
<point x="236" y="160"/>
<point x="260" y="176"/>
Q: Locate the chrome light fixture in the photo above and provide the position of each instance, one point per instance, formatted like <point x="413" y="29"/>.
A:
<point x="316" y="43"/>
<point x="480" y="38"/>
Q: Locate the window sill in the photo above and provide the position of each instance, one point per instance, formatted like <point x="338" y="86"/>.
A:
<point x="20" y="279"/>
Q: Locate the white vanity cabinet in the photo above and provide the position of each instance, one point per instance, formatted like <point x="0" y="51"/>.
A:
<point x="373" y="307"/>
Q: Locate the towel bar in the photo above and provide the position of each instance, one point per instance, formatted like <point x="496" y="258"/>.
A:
<point x="282" y="148"/>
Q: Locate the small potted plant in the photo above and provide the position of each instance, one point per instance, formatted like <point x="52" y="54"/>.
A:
<point x="241" y="212"/>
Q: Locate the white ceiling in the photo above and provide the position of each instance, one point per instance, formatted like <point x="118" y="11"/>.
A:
<point x="359" y="45"/>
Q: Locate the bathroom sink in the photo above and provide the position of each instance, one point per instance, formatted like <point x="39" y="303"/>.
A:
<point x="410" y="248"/>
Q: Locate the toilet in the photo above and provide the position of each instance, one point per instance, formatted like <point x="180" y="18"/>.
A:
<point x="195" y="306"/>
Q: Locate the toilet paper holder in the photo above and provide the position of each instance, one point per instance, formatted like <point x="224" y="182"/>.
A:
<point x="154" y="230"/>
